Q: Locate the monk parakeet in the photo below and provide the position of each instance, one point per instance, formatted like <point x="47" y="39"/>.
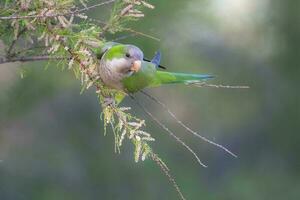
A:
<point x="123" y="67"/>
<point x="100" y="52"/>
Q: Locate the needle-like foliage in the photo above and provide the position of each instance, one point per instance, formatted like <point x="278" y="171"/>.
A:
<point x="61" y="30"/>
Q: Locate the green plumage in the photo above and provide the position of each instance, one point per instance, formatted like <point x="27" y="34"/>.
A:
<point x="117" y="59"/>
<point x="148" y="76"/>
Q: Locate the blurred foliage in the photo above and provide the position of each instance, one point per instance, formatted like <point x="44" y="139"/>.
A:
<point x="63" y="33"/>
<point x="51" y="140"/>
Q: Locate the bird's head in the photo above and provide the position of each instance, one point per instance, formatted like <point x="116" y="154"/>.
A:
<point x="123" y="59"/>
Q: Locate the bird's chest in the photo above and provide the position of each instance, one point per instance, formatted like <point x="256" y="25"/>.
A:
<point x="110" y="77"/>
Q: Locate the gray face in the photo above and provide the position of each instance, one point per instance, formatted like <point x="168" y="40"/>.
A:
<point x="125" y="64"/>
<point x="134" y="52"/>
<point x="113" y="71"/>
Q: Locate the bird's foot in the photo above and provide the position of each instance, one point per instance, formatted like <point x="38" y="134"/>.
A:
<point x="108" y="101"/>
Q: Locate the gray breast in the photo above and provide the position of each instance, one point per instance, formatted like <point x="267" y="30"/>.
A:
<point x="109" y="76"/>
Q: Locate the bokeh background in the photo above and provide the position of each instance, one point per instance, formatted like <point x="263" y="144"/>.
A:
<point x="51" y="138"/>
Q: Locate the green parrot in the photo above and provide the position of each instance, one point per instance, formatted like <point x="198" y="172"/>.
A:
<point x="124" y="68"/>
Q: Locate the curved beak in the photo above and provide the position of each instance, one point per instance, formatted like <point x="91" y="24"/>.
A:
<point x="136" y="66"/>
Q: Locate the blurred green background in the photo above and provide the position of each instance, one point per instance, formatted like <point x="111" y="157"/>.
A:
<point x="51" y="138"/>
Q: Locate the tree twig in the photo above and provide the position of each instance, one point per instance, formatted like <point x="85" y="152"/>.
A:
<point x="142" y="34"/>
<point x="31" y="58"/>
<point x="185" y="126"/>
<point x="29" y="49"/>
<point x="163" y="126"/>
<point x="57" y="15"/>
<point x="204" y="84"/>
<point x="166" y="171"/>
<point x="10" y="48"/>
<point x="124" y="37"/>
<point x="134" y="32"/>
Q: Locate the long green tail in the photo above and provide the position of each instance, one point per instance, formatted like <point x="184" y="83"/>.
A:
<point x="172" y="77"/>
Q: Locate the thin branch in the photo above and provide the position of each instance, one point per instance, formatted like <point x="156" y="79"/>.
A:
<point x="134" y="32"/>
<point x="167" y="173"/>
<point x="116" y="17"/>
<point x="142" y="34"/>
<point x="124" y="37"/>
<point x="31" y="59"/>
<point x="203" y="84"/>
<point x="57" y="15"/>
<point x="163" y="126"/>
<point x="21" y="51"/>
<point x="10" y="48"/>
<point x="185" y="126"/>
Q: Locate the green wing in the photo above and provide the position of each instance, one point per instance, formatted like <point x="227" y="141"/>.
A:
<point x="143" y="78"/>
<point x="148" y="76"/>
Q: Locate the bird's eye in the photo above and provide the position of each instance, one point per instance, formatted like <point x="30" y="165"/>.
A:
<point x="127" y="55"/>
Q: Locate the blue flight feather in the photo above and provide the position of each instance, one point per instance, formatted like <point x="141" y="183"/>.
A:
<point x="156" y="59"/>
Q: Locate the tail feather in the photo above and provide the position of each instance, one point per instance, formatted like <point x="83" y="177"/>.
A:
<point x="172" y="77"/>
